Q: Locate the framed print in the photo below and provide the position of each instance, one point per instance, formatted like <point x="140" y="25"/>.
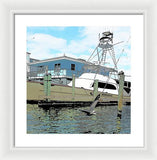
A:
<point x="56" y="48"/>
<point x="86" y="40"/>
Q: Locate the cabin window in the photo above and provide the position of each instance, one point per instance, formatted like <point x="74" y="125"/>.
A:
<point x="57" y="66"/>
<point x="129" y="84"/>
<point x="125" y="83"/>
<point x="73" y="67"/>
<point x="106" y="86"/>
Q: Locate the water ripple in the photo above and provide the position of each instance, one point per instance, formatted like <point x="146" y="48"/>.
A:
<point x="67" y="120"/>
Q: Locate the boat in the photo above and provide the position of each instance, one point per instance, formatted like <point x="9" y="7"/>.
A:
<point x="105" y="84"/>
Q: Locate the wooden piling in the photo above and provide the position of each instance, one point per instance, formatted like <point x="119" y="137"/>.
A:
<point x="47" y="86"/>
<point x="120" y="93"/>
<point x="95" y="88"/>
<point x="73" y="87"/>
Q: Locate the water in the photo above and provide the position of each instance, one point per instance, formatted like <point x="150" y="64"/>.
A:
<point x="67" y="120"/>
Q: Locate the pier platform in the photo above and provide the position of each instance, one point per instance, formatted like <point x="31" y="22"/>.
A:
<point x="62" y="95"/>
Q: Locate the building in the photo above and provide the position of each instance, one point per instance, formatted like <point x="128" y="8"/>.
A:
<point x="62" y="69"/>
<point x="27" y="61"/>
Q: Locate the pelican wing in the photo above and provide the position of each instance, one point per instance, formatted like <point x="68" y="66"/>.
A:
<point x="92" y="107"/>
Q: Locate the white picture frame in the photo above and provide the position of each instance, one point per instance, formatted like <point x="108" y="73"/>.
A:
<point x="136" y="136"/>
<point x="7" y="149"/>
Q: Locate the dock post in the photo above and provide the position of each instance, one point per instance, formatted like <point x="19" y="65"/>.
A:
<point x="95" y="88"/>
<point x="47" y="86"/>
<point x="120" y="94"/>
<point x="73" y="87"/>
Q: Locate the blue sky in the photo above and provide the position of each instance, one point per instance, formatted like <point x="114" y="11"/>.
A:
<point x="78" y="42"/>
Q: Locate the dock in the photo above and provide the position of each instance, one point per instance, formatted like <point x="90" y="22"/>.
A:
<point x="64" y="95"/>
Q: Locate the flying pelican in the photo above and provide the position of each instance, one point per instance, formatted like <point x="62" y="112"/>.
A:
<point x="92" y="107"/>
